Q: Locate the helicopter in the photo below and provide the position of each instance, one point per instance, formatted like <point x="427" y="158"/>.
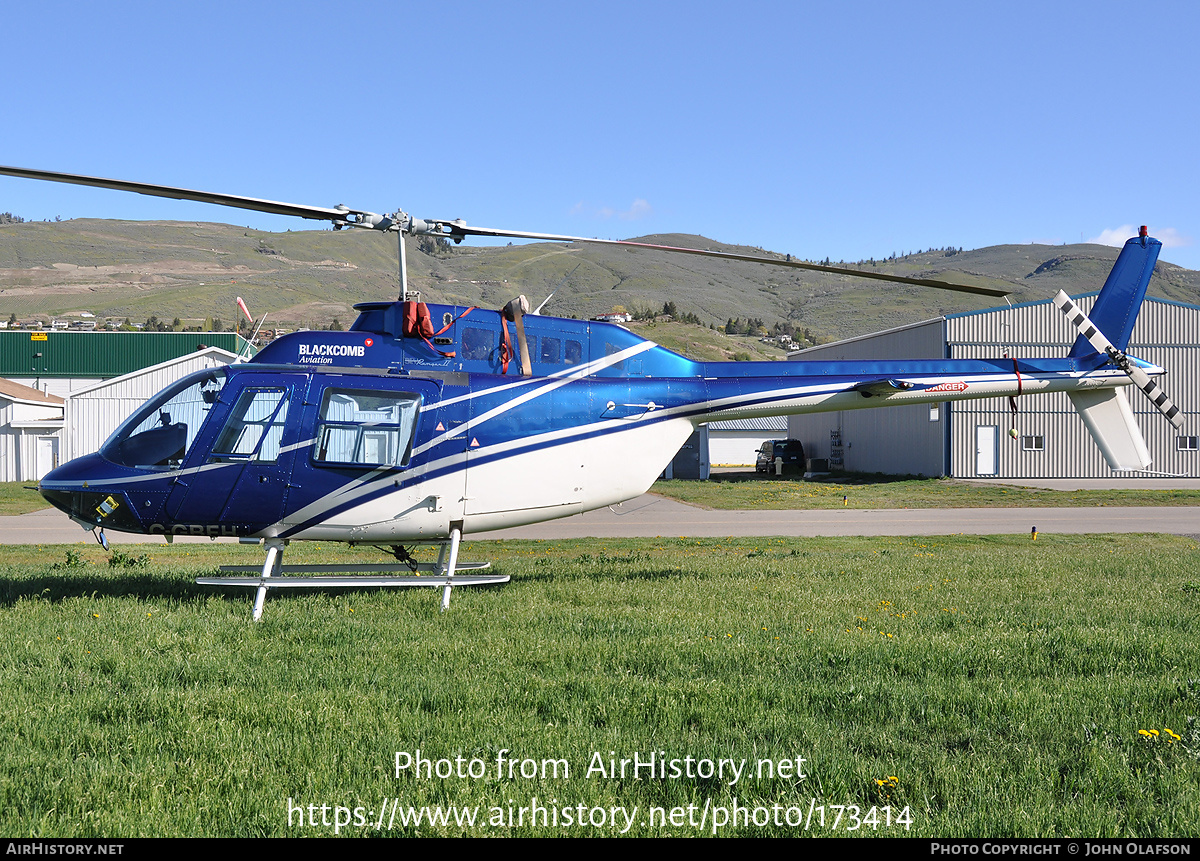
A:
<point x="424" y="423"/>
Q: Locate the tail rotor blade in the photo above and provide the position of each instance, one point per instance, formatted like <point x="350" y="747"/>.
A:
<point x="1085" y="326"/>
<point x="1156" y="395"/>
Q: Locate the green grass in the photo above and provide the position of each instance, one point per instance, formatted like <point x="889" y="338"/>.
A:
<point x="1002" y="682"/>
<point x="747" y="491"/>
<point x="20" y="497"/>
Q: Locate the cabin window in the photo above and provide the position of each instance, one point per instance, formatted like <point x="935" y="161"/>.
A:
<point x="478" y="343"/>
<point x="612" y="350"/>
<point x="373" y="429"/>
<point x="551" y="351"/>
<point x="254" y="428"/>
<point x="574" y="353"/>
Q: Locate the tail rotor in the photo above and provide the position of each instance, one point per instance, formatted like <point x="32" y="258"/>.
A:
<point x="1140" y="378"/>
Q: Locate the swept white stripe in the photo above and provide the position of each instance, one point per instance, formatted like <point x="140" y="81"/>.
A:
<point x="573" y="373"/>
<point x="546" y="388"/>
<point x="157" y="476"/>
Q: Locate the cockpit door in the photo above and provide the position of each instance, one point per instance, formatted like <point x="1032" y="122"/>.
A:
<point x="237" y="474"/>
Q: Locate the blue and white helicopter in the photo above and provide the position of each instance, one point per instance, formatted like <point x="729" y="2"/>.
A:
<point x="425" y="423"/>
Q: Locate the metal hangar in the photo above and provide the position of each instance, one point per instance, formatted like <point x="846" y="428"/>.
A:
<point x="971" y="439"/>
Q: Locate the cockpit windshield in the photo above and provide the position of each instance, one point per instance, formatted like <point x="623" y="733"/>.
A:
<point x="160" y="433"/>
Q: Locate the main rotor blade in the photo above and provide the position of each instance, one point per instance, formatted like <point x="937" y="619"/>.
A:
<point x="1141" y="379"/>
<point x="343" y="217"/>
<point x="339" y="216"/>
<point x="457" y="230"/>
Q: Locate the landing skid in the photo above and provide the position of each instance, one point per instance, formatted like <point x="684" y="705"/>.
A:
<point x="365" y="576"/>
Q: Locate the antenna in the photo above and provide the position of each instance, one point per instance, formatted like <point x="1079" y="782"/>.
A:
<point x="561" y="282"/>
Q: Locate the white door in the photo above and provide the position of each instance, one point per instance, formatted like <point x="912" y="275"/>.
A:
<point x="987" y="439"/>
<point x="47" y="455"/>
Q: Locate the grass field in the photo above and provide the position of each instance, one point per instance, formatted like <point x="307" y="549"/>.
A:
<point x="746" y="492"/>
<point x="20" y="497"/>
<point x="955" y="686"/>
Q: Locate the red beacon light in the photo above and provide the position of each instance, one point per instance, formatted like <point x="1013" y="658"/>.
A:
<point x="1143" y="231"/>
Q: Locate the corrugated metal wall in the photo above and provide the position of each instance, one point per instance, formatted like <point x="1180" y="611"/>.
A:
<point x="902" y="440"/>
<point x="896" y="440"/>
<point x="1167" y="334"/>
<point x="18" y="451"/>
<point x="10" y="441"/>
<point x="23" y="428"/>
<point x="101" y="354"/>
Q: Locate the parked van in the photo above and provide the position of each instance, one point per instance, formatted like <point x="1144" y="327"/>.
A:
<point x="790" y="450"/>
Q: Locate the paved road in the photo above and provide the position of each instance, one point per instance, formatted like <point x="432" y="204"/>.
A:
<point x="650" y="516"/>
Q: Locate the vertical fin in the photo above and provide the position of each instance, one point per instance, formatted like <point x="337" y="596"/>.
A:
<point x="1117" y="306"/>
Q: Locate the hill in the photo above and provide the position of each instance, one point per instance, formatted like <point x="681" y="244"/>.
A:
<point x="194" y="270"/>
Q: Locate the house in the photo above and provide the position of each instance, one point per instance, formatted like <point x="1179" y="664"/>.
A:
<point x="30" y="423"/>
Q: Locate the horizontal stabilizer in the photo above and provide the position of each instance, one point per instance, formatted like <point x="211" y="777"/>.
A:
<point x="1110" y="422"/>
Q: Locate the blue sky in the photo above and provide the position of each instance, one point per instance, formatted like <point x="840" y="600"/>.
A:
<point x="846" y="130"/>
